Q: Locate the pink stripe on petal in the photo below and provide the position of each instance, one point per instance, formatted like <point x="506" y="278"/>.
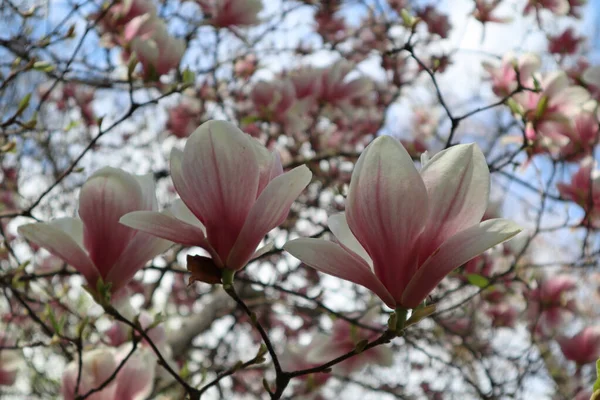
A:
<point x="458" y="187"/>
<point x="453" y="253"/>
<point x="168" y="227"/>
<point x="269" y="211"/>
<point x="109" y="194"/>
<point x="332" y="259"/>
<point x="220" y="168"/>
<point x="62" y="246"/>
<point x="142" y="248"/>
<point x="386" y="209"/>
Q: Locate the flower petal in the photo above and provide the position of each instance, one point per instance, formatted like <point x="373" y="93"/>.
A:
<point x="222" y="175"/>
<point x="453" y="253"/>
<point x="332" y="259"/>
<point x="142" y="247"/>
<point x="107" y="195"/>
<point x="458" y="186"/>
<point x="339" y="227"/>
<point x="269" y="211"/>
<point x="386" y="209"/>
<point x="168" y="227"/>
<point x="58" y="242"/>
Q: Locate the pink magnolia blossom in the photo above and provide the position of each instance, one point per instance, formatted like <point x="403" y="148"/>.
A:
<point x="226" y="13"/>
<point x="557" y="7"/>
<point x="583" y="136"/>
<point x="97" y="245"/>
<point x="245" y="66"/>
<point x="583" y="348"/>
<point x="233" y="192"/>
<point x="557" y="101"/>
<point x="404" y="231"/>
<point x="343" y="339"/>
<point x="154" y="47"/>
<point x="134" y="380"/>
<point x="565" y="43"/>
<point x="551" y="302"/>
<point x="484" y="10"/>
<point x="436" y="22"/>
<point x="503" y="315"/>
<point x="584" y="189"/>
<point x="185" y="117"/>
<point x="504" y="77"/>
<point x="10" y="361"/>
<point x="337" y="90"/>
<point x="276" y="102"/>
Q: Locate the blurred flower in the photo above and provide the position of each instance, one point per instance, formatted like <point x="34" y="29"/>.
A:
<point x="583" y="348"/>
<point x="97" y="245"/>
<point x="226" y="13"/>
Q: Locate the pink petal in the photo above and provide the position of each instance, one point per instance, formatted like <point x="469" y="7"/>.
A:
<point x="181" y="186"/>
<point x="52" y="238"/>
<point x="135" y="380"/>
<point x="222" y="175"/>
<point x="453" y="253"/>
<point x="167" y="227"/>
<point x="269" y="211"/>
<point x="339" y="227"/>
<point x="386" y="209"/>
<point x="458" y="185"/>
<point x="142" y="247"/>
<point x="332" y="259"/>
<point x="108" y="195"/>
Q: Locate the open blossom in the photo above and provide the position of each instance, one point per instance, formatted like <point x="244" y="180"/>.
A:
<point x="185" y="117"/>
<point x="404" y="231"/>
<point x="565" y="43"/>
<point x="582" y="133"/>
<point x="558" y="100"/>
<point x="584" y="189"/>
<point x="134" y="380"/>
<point x="233" y="192"/>
<point x="343" y="339"/>
<point x="504" y="77"/>
<point x="436" y="22"/>
<point x="97" y="245"/>
<point x="276" y="102"/>
<point x="557" y="7"/>
<point x="583" y="348"/>
<point x="226" y="13"/>
<point x="484" y="10"/>
<point x="337" y="90"/>
<point x="551" y="302"/>
<point x="10" y="361"/>
<point x="154" y="47"/>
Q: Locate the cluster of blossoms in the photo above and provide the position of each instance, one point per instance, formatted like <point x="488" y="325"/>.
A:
<point x="135" y="26"/>
<point x="402" y="233"/>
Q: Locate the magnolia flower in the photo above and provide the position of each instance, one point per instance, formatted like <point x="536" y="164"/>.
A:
<point x="504" y="77"/>
<point x="403" y="232"/>
<point x="337" y="90"/>
<point x="557" y="101"/>
<point x="276" y="102"/>
<point x="584" y="189"/>
<point x="557" y="7"/>
<point x="565" y="43"/>
<point x="97" y="245"/>
<point x="551" y="302"/>
<point x="437" y="23"/>
<point x="583" y="348"/>
<point x="157" y="51"/>
<point x="233" y="192"/>
<point x="583" y="136"/>
<point x="185" y="117"/>
<point x="225" y="13"/>
<point x="343" y="339"/>
<point x="134" y="380"/>
<point x="10" y="362"/>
